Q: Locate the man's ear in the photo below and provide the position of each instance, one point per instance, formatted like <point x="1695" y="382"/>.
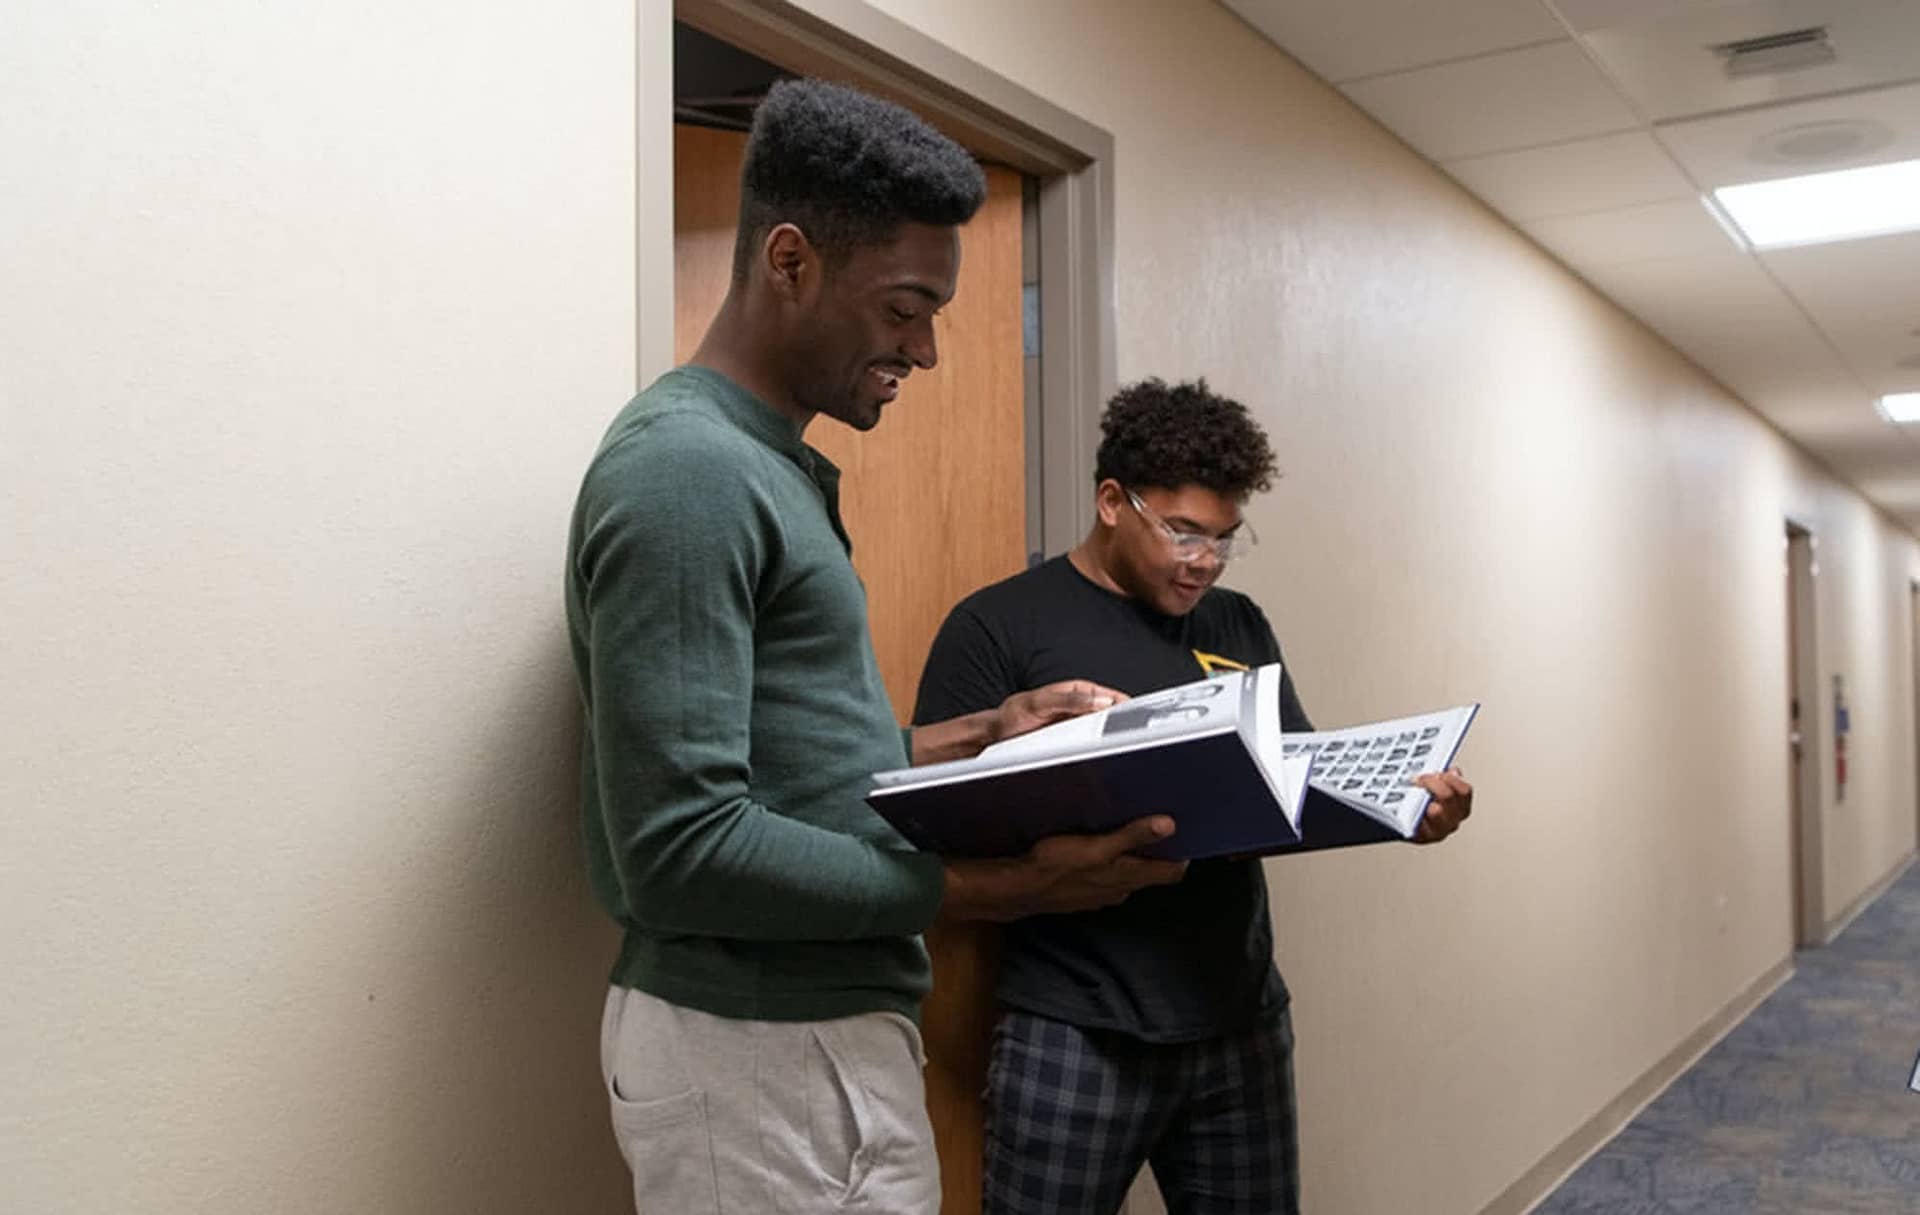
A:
<point x="793" y="265"/>
<point x="1109" y="498"/>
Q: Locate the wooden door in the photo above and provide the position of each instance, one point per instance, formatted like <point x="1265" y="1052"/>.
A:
<point x="935" y="500"/>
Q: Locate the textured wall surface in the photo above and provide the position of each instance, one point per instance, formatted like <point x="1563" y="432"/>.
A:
<point x="311" y="317"/>
<point x="1498" y="487"/>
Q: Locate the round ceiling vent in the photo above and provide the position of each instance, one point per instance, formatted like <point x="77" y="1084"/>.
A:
<point x="1816" y="143"/>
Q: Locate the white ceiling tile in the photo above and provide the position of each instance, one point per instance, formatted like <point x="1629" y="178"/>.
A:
<point x="1342" y="39"/>
<point x="1865" y="296"/>
<point x="1827" y="418"/>
<point x="1729" y="149"/>
<point x="1723" y="312"/>
<point x="1515" y="99"/>
<point x="1881" y="453"/>
<point x="1678" y="229"/>
<point x="1523" y="116"/>
<point x="1812" y="418"/>
<point x="1569" y="178"/>
<point x="1584" y="15"/>
<point x="1662" y="57"/>
<point x="1899" y="494"/>
<point x="1728" y="316"/>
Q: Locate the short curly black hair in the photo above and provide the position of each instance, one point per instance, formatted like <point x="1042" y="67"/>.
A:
<point x="1173" y="436"/>
<point x="848" y="170"/>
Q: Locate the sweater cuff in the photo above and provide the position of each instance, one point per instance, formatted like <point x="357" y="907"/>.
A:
<point x="920" y="882"/>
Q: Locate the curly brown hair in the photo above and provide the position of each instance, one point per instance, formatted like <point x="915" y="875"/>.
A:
<point x="1172" y="436"/>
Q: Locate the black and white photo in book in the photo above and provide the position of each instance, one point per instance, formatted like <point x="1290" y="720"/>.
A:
<point x="1187" y="704"/>
<point x="1372" y="767"/>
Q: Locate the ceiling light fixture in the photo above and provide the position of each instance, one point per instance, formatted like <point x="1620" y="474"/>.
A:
<point x="1901" y="406"/>
<point x="1842" y="205"/>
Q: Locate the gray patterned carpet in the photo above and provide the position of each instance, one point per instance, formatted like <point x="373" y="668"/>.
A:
<point x="1801" y="1110"/>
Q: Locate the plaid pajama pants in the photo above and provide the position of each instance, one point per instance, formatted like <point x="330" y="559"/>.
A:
<point x="1073" y="1114"/>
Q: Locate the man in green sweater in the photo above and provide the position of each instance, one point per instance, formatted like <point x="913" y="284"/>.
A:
<point x="759" y="1044"/>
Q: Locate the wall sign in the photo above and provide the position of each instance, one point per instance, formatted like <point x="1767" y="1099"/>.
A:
<point x="1842" y="723"/>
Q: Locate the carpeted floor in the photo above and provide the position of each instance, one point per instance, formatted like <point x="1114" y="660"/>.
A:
<point x="1801" y="1110"/>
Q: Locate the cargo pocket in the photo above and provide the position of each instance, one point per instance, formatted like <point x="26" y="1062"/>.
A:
<point x="669" y="1151"/>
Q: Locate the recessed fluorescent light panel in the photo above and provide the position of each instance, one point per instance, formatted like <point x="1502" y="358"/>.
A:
<point x="1901" y="406"/>
<point x="1842" y="205"/>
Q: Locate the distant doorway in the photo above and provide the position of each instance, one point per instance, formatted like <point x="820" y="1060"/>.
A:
<point x="1803" y="717"/>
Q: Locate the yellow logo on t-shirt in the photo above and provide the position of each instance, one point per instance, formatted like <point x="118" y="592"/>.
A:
<point x="1211" y="663"/>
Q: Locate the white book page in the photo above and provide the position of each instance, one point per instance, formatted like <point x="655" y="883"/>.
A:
<point x="1207" y="706"/>
<point x="1371" y="767"/>
<point x="1285" y="774"/>
<point x="1295" y="771"/>
<point x="955" y="771"/>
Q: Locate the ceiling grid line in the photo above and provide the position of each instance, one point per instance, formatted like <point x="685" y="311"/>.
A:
<point x="1450" y="61"/>
<point x="1607" y="154"/>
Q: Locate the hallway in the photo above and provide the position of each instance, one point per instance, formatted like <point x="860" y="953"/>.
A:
<point x="1802" y="1110"/>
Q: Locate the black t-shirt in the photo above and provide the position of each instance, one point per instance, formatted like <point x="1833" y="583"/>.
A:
<point x="1171" y="963"/>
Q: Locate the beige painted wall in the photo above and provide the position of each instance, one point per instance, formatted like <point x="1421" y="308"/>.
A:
<point x="1499" y="487"/>
<point x="312" y="320"/>
<point x="311" y="317"/>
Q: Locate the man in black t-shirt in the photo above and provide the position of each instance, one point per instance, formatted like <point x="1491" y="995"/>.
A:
<point x="1155" y="1031"/>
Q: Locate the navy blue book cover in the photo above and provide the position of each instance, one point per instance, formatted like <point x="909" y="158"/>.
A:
<point x="1208" y="784"/>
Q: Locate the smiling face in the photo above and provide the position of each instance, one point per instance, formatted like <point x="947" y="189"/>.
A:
<point x="1145" y="562"/>
<point x="862" y="326"/>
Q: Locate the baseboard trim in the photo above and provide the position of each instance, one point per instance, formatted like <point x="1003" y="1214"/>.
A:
<point x="1845" y="919"/>
<point x="1557" y="1165"/>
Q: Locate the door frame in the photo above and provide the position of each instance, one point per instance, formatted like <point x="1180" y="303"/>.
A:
<point x="996" y="119"/>
<point x="1809" y="839"/>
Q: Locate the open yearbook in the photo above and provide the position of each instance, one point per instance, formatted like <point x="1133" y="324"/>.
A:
<point x="1209" y="754"/>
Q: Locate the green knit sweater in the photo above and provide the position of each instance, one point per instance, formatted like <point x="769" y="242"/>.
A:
<point x="734" y="714"/>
